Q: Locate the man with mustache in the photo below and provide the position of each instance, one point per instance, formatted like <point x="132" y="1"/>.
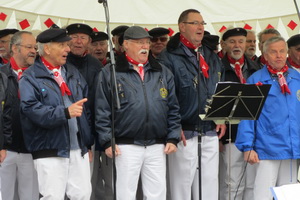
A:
<point x="147" y="126"/>
<point x="18" y="164"/>
<point x="251" y="45"/>
<point x="238" y="67"/>
<point x="272" y="142"/>
<point x="197" y="70"/>
<point x="55" y="121"/>
<point x="5" y="36"/>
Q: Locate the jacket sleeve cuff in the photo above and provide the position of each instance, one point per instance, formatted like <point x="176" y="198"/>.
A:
<point x="173" y="141"/>
<point x="67" y="113"/>
<point x="107" y="145"/>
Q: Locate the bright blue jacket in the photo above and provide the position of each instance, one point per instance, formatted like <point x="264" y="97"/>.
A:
<point x="276" y="134"/>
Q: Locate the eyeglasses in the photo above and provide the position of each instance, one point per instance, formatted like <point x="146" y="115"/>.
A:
<point x="162" y="39"/>
<point x="29" y="47"/>
<point x="196" y="23"/>
<point x="3" y="41"/>
<point x="139" y="42"/>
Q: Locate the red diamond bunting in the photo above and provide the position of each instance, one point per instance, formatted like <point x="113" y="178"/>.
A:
<point x="247" y="27"/>
<point x="292" y="25"/>
<point x="2" y="16"/>
<point x="269" y="26"/>
<point x="223" y="28"/>
<point x="24" y="24"/>
<point x="95" y="29"/>
<point x="48" y="22"/>
<point x="146" y="29"/>
<point x="171" y="32"/>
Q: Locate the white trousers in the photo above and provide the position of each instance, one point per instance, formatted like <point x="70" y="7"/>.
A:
<point x="272" y="173"/>
<point x="60" y="176"/>
<point x="184" y="178"/>
<point x="241" y="185"/>
<point x="150" y="163"/>
<point x="18" y="168"/>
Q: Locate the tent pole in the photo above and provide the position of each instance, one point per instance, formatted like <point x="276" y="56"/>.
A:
<point x="297" y="8"/>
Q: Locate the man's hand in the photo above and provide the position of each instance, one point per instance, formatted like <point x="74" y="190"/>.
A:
<point x="170" y="148"/>
<point x="221" y="129"/>
<point x="251" y="157"/>
<point x="108" y="151"/>
<point x="2" y="155"/>
<point x="75" y="110"/>
<point x="182" y="136"/>
<point x="90" y="155"/>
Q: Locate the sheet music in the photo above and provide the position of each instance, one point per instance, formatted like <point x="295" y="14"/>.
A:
<point x="286" y="192"/>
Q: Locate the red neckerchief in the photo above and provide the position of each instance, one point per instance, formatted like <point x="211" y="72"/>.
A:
<point x="263" y="60"/>
<point x="57" y="77"/>
<point x="237" y="67"/>
<point x="140" y="65"/>
<point x="104" y="61"/>
<point x="254" y="57"/>
<point x="220" y="54"/>
<point x="281" y="80"/>
<point x="15" y="67"/>
<point x="202" y="62"/>
<point x="4" y="61"/>
<point x="293" y="63"/>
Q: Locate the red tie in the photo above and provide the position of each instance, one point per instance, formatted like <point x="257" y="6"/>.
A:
<point x="237" y="67"/>
<point x="141" y="71"/>
<point x="281" y="80"/>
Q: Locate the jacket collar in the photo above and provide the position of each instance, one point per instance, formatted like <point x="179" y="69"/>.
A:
<point x="122" y="64"/>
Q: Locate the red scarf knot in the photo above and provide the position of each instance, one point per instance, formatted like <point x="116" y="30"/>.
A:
<point x="140" y="66"/>
<point x="57" y="77"/>
<point x="202" y="63"/>
<point x="281" y="79"/>
<point x="237" y="67"/>
<point x="16" y="68"/>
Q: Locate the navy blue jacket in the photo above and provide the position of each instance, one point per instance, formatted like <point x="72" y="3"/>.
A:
<point x="184" y="66"/>
<point x="149" y="112"/>
<point x="3" y="92"/>
<point x="44" y="115"/>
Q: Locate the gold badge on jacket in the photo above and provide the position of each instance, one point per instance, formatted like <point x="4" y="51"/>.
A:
<point x="163" y="92"/>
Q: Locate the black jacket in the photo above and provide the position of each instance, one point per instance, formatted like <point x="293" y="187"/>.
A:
<point x="149" y="112"/>
<point x="248" y="69"/>
<point x="3" y="92"/>
<point x="13" y="134"/>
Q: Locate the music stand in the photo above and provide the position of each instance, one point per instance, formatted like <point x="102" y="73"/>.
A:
<point x="233" y="102"/>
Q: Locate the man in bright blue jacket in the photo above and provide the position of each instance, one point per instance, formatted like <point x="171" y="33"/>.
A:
<point x="273" y="141"/>
<point x="55" y="120"/>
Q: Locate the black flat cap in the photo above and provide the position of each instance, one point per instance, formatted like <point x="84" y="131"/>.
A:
<point x="136" y="32"/>
<point x="234" y="32"/>
<point x="293" y="41"/>
<point x="7" y="31"/>
<point x="79" y="28"/>
<point x="99" y="36"/>
<point x="53" y="35"/>
<point x="119" y="30"/>
<point x="159" y="31"/>
<point x="54" y="26"/>
<point x="211" y="41"/>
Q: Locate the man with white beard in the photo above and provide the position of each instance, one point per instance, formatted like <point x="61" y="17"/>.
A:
<point x="238" y="68"/>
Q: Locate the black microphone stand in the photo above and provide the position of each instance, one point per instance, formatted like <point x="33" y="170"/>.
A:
<point x="199" y="124"/>
<point x="114" y="97"/>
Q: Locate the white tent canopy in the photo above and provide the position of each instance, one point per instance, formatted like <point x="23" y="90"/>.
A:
<point x="256" y="14"/>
